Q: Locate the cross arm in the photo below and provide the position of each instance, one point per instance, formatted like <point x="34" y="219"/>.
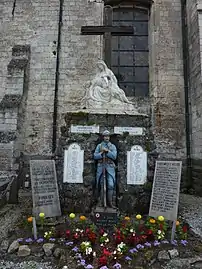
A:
<point x="101" y="30"/>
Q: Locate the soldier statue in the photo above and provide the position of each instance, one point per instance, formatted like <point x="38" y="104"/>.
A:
<point x="105" y="153"/>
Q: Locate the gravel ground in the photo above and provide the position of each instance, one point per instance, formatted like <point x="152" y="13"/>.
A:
<point x="25" y="265"/>
<point x="190" y="208"/>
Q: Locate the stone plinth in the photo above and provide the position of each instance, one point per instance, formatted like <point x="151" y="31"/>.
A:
<point x="79" y="197"/>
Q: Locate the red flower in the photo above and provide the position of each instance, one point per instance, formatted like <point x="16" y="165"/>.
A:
<point x="184" y="228"/>
<point x="106" y="252"/>
<point x="92" y="237"/>
<point x="149" y="232"/>
<point x="87" y="230"/>
<point x="75" y="236"/>
<point x="67" y="233"/>
<point x="161" y="226"/>
<point x="102" y="231"/>
<point x="103" y="260"/>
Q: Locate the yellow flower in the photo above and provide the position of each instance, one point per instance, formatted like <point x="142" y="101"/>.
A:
<point x="127" y="218"/>
<point x="30" y="219"/>
<point x="161" y="218"/>
<point x="138" y="216"/>
<point x="82" y="218"/>
<point x="41" y="215"/>
<point x="152" y="221"/>
<point x="177" y="223"/>
<point x="72" y="216"/>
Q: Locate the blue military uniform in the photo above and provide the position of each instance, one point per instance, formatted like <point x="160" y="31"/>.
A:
<point x="109" y="166"/>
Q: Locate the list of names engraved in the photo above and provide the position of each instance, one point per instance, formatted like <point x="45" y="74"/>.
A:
<point x="166" y="186"/>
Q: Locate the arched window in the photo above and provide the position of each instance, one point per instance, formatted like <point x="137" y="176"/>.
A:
<point x="130" y="53"/>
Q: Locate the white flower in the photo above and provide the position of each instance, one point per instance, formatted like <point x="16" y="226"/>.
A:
<point x="65" y="267"/>
<point x="114" y="252"/>
<point x="94" y="254"/>
<point x="104" y="234"/>
<point x="159" y="232"/>
<point x="101" y="245"/>
<point x="107" y="240"/>
<point x="119" y="249"/>
<point x="131" y="230"/>
<point x="88" y="251"/>
<point x="97" y="215"/>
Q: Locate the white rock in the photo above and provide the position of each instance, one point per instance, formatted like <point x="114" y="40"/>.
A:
<point x="24" y="251"/>
<point x="163" y="255"/>
<point x="4" y="245"/>
<point x="48" y="249"/>
<point x="13" y="247"/>
<point x="173" y="253"/>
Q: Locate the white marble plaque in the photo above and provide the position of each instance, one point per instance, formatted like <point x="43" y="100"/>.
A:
<point x="84" y="129"/>
<point x="73" y="164"/>
<point x="130" y="130"/>
<point x="165" y="191"/>
<point x="136" y="166"/>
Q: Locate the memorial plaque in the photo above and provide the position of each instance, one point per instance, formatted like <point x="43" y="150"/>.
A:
<point x="105" y="219"/>
<point x="84" y="129"/>
<point x="166" y="187"/>
<point x="44" y="188"/>
<point x="130" y="130"/>
<point x="136" y="166"/>
<point x="73" y="164"/>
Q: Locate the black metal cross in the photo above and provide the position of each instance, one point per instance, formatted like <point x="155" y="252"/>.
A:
<point x="107" y="30"/>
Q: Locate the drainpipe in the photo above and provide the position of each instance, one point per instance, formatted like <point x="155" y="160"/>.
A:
<point x="186" y="70"/>
<point x="57" y="74"/>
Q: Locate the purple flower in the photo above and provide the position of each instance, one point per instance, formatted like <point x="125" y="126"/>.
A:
<point x="117" y="266"/>
<point x="89" y="266"/>
<point x="174" y="242"/>
<point x="20" y="240"/>
<point x="52" y="239"/>
<point x="78" y="255"/>
<point x="82" y="262"/>
<point x="69" y="243"/>
<point x="29" y="240"/>
<point x="127" y="258"/>
<point x="40" y="240"/>
<point x="133" y="250"/>
<point x="139" y="246"/>
<point x="147" y="244"/>
<point x="75" y="249"/>
<point x="184" y="242"/>
<point x="156" y="243"/>
<point x="104" y="267"/>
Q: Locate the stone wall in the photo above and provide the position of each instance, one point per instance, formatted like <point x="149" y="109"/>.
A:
<point x="166" y="79"/>
<point x="79" y="197"/>
<point x="194" y="20"/>
<point x="35" y="23"/>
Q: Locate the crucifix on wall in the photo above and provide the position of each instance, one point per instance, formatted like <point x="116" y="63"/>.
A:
<point x="107" y="30"/>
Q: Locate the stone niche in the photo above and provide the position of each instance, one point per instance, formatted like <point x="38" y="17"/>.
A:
<point x="78" y="197"/>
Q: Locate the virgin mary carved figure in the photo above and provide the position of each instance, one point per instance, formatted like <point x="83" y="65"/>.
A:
<point x="103" y="91"/>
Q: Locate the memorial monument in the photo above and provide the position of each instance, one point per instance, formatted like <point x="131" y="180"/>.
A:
<point x="107" y="132"/>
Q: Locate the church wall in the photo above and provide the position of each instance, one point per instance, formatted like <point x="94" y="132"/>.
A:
<point x="194" y="20"/>
<point x="33" y="23"/>
<point x="166" y="79"/>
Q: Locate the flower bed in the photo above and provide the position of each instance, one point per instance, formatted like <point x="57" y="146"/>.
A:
<point x="117" y="248"/>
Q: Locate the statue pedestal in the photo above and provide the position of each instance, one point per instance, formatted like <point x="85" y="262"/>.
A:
<point x="78" y="197"/>
<point x="105" y="218"/>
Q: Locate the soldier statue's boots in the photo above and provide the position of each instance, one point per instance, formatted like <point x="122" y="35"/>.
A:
<point x="110" y="198"/>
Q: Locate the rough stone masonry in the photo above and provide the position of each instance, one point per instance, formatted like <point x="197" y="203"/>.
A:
<point x="34" y="24"/>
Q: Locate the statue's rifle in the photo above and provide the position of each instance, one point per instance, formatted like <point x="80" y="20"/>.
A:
<point x="104" y="180"/>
